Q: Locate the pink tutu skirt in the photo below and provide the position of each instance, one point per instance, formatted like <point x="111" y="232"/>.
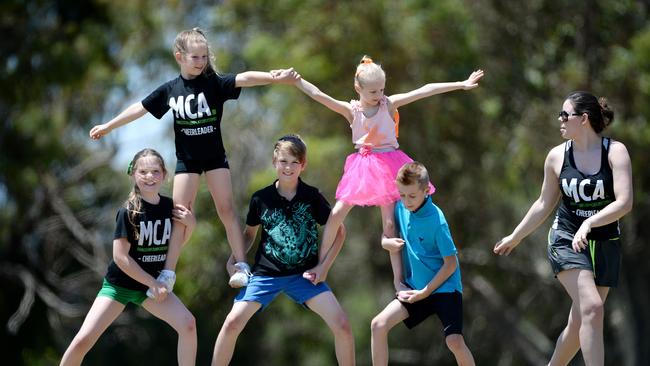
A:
<point x="369" y="178"/>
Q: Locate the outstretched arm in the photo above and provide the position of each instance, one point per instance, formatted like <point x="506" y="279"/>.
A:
<point x="255" y="78"/>
<point x="541" y="208"/>
<point x="133" y="112"/>
<point x="428" y="90"/>
<point x="340" y="107"/>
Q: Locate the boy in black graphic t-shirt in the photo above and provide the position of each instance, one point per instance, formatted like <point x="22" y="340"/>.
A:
<point x="288" y="212"/>
<point x="197" y="97"/>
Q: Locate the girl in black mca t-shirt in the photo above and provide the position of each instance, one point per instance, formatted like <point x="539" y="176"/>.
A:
<point x="196" y="98"/>
<point x="142" y="238"/>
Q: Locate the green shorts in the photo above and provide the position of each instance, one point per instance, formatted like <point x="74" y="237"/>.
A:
<point x="121" y="294"/>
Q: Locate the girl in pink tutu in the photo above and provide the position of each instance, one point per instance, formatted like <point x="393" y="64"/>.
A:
<point x="369" y="174"/>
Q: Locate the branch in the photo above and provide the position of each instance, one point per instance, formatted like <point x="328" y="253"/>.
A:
<point x="32" y="288"/>
<point x="534" y="344"/>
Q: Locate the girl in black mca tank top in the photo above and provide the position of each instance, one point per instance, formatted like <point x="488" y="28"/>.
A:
<point x="584" y="195"/>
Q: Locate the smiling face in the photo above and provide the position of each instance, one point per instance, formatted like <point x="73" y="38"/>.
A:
<point x="194" y="60"/>
<point x="412" y="195"/>
<point x="149" y="175"/>
<point x="371" y="92"/>
<point x="287" y="166"/>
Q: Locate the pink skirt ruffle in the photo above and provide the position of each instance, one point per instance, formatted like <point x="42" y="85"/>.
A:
<point x="369" y="179"/>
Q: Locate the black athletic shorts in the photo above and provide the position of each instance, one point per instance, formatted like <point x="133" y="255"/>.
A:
<point x="200" y="166"/>
<point x="602" y="257"/>
<point x="448" y="306"/>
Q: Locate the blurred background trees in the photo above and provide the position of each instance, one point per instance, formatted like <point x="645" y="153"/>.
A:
<point x="68" y="65"/>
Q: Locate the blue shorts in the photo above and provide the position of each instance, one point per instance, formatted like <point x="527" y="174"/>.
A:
<point x="263" y="289"/>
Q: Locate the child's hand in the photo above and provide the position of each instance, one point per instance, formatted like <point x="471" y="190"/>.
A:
<point x="315" y="275"/>
<point x="99" y="131"/>
<point x="411" y="296"/>
<point x="505" y="245"/>
<point x="183" y="215"/>
<point x="472" y="80"/>
<point x="158" y="291"/>
<point x="392" y="245"/>
<point x="285" y="76"/>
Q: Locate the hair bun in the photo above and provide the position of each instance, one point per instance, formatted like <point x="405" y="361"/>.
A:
<point x="608" y="114"/>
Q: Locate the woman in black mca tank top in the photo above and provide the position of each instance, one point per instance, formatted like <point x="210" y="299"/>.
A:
<point x="593" y="176"/>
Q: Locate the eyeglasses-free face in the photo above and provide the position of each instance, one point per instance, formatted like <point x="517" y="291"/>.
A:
<point x="564" y="115"/>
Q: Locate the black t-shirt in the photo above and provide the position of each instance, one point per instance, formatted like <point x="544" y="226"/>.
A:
<point x="198" y="107"/>
<point x="584" y="195"/>
<point x="289" y="242"/>
<point x="149" y="251"/>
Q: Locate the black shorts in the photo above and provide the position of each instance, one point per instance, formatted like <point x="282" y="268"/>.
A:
<point x="448" y="306"/>
<point x="200" y="166"/>
<point x="602" y="257"/>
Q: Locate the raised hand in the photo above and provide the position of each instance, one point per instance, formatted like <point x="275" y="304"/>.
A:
<point x="99" y="131"/>
<point x="472" y="80"/>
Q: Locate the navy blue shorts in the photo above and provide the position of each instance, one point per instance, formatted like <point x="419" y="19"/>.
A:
<point x="264" y="289"/>
<point x="448" y="306"/>
<point x="200" y="166"/>
<point x="602" y="257"/>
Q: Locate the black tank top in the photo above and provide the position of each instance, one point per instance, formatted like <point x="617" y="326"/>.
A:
<point x="584" y="195"/>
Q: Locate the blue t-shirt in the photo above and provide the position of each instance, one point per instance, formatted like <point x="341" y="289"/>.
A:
<point x="427" y="241"/>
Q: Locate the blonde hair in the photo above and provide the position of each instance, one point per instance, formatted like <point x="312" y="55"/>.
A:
<point x="292" y="144"/>
<point x="133" y="203"/>
<point x="411" y="173"/>
<point x="195" y="35"/>
<point x="368" y="72"/>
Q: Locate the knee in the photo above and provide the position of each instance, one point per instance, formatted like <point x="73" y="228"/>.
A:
<point x="188" y="325"/>
<point x="81" y="344"/>
<point x="593" y="310"/>
<point x="233" y="324"/>
<point x="455" y="342"/>
<point x="378" y="326"/>
<point x="342" y="324"/>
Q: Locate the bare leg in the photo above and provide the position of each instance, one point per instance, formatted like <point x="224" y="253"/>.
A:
<point x="392" y="314"/>
<point x="568" y="343"/>
<point x="174" y="313"/>
<point x="457" y="346"/>
<point x="220" y="188"/>
<point x="326" y="305"/>
<point x="184" y="192"/>
<point x="224" y="347"/>
<point x="101" y="314"/>
<point x="388" y="225"/>
<point x="589" y="302"/>
<point x="336" y="218"/>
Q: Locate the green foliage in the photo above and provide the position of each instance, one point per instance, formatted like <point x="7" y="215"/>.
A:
<point x="67" y="66"/>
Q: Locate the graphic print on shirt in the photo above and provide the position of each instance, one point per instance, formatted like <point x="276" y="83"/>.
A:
<point x="292" y="237"/>
<point x="192" y="114"/>
<point x="586" y="195"/>
<point x="154" y="237"/>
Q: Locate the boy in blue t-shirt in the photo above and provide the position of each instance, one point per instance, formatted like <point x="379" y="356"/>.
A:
<point x="430" y="269"/>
